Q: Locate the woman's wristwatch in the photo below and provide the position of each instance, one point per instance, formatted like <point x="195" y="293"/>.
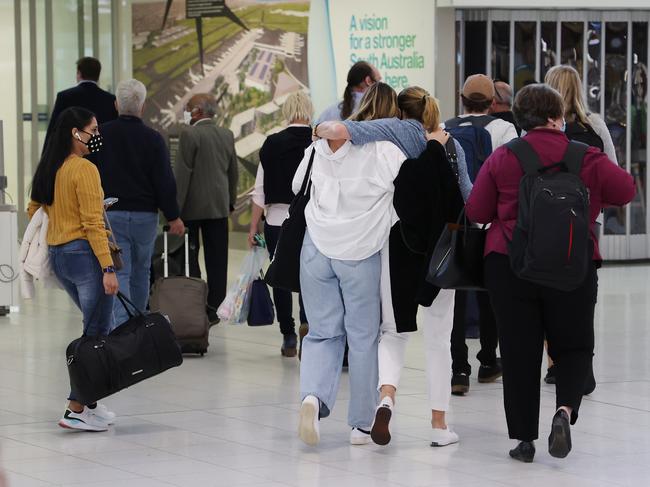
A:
<point x="109" y="270"/>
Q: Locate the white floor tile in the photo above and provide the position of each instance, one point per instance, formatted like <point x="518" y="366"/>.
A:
<point x="230" y="418"/>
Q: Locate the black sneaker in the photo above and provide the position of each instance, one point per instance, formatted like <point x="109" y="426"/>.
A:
<point x="490" y="373"/>
<point x="525" y="452"/>
<point x="550" y="375"/>
<point x="559" y="441"/>
<point x="289" y="345"/>
<point x="459" y="384"/>
<point x="213" y="318"/>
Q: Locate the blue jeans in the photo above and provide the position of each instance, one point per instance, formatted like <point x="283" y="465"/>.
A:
<point x="78" y="270"/>
<point x="342" y="299"/>
<point x="135" y="232"/>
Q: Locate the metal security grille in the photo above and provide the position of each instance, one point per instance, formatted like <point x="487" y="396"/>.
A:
<point x="611" y="50"/>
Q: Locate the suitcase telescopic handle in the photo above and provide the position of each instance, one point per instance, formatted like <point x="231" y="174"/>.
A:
<point x="166" y="229"/>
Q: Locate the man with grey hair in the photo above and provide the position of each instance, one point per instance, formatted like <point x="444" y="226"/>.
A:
<point x="134" y="167"/>
<point x="502" y="104"/>
<point x="207" y="174"/>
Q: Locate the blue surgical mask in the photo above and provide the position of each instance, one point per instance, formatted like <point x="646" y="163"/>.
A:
<point x="564" y="125"/>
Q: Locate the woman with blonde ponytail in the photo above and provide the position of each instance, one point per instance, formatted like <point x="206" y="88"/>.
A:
<point x="428" y="194"/>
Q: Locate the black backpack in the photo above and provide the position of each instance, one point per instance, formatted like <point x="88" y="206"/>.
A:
<point x="584" y="133"/>
<point x="550" y="243"/>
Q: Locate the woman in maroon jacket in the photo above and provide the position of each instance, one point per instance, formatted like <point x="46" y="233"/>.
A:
<point x="525" y="311"/>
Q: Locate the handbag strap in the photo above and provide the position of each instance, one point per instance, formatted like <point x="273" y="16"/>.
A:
<point x="307" y="180"/>
<point x="110" y="229"/>
<point x="129" y="306"/>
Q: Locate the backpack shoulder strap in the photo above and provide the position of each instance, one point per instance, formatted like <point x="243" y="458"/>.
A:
<point x="482" y="121"/>
<point x="575" y="153"/>
<point x="528" y="158"/>
<point x="453" y="122"/>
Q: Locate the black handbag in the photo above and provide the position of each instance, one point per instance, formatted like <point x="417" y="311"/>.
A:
<point x="284" y="271"/>
<point x="142" y="347"/>
<point x="457" y="260"/>
<point x="261" y="312"/>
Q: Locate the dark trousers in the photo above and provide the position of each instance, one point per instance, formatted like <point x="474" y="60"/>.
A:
<point x="283" y="299"/>
<point x="215" y="242"/>
<point x="487" y="330"/>
<point x="526" y="312"/>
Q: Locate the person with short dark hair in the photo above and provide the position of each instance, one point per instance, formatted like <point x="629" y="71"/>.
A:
<point x="501" y="106"/>
<point x="526" y="311"/>
<point x="87" y="94"/>
<point x="206" y="177"/>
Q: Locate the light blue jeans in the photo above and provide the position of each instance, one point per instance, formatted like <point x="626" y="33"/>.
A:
<point x="342" y="299"/>
<point x="135" y="232"/>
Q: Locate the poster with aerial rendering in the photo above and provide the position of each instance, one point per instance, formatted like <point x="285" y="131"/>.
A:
<point x="250" y="54"/>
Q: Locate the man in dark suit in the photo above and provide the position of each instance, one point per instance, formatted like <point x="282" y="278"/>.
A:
<point x="206" y="175"/>
<point x="86" y="94"/>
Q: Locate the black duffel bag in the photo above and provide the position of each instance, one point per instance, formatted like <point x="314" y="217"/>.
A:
<point x="140" y="348"/>
<point x="284" y="271"/>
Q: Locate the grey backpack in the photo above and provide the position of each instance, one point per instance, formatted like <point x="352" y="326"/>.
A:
<point x="550" y="244"/>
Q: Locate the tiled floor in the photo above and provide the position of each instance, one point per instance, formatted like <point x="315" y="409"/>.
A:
<point x="229" y="418"/>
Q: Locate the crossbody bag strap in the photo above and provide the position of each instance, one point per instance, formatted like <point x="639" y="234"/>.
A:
<point x="306" y="182"/>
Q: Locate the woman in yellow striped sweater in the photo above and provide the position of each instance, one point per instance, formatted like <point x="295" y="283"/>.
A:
<point x="69" y="189"/>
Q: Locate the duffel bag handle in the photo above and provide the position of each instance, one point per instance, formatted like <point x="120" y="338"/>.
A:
<point x="129" y="306"/>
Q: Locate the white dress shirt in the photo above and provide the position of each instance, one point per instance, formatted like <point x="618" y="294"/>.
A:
<point x="350" y="213"/>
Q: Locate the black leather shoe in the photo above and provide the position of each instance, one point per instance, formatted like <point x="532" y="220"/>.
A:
<point x="490" y="373"/>
<point x="289" y="345"/>
<point x="559" y="441"/>
<point x="459" y="384"/>
<point x="550" y="375"/>
<point x="525" y="452"/>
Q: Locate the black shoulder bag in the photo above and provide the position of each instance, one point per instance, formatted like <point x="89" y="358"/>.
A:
<point x="284" y="271"/>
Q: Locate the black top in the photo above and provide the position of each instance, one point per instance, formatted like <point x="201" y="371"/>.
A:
<point x="134" y="167"/>
<point x="280" y="157"/>
<point x="86" y="95"/>
<point x="427" y="197"/>
<point x="508" y="117"/>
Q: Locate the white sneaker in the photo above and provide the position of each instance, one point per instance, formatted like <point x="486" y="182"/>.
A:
<point x="84" y="421"/>
<point x="440" y="437"/>
<point x="309" y="428"/>
<point x="359" y="437"/>
<point x="103" y="413"/>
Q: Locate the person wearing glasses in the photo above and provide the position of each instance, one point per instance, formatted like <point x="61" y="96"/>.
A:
<point x="502" y="104"/>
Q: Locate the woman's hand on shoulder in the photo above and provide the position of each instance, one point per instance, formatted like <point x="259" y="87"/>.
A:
<point x="439" y="135"/>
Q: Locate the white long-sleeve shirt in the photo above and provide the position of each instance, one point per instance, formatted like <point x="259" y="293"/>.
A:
<point x="350" y="213"/>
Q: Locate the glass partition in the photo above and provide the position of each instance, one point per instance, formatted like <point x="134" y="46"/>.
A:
<point x="639" y="126"/>
<point x="501" y="51"/>
<point x="616" y="108"/>
<point x="572" y="46"/>
<point x="525" y="39"/>
<point x="475" y="35"/>
<point x="548" y="48"/>
<point x="594" y="45"/>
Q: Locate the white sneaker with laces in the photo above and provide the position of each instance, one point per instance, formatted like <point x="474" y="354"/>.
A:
<point x="440" y="437"/>
<point x="359" y="437"/>
<point x="309" y="428"/>
<point x="103" y="413"/>
<point x="84" y="421"/>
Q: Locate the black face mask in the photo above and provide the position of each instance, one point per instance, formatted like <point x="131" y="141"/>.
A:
<point x="95" y="142"/>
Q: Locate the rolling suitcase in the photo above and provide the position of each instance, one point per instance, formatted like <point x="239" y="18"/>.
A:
<point x="184" y="300"/>
<point x="142" y="347"/>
